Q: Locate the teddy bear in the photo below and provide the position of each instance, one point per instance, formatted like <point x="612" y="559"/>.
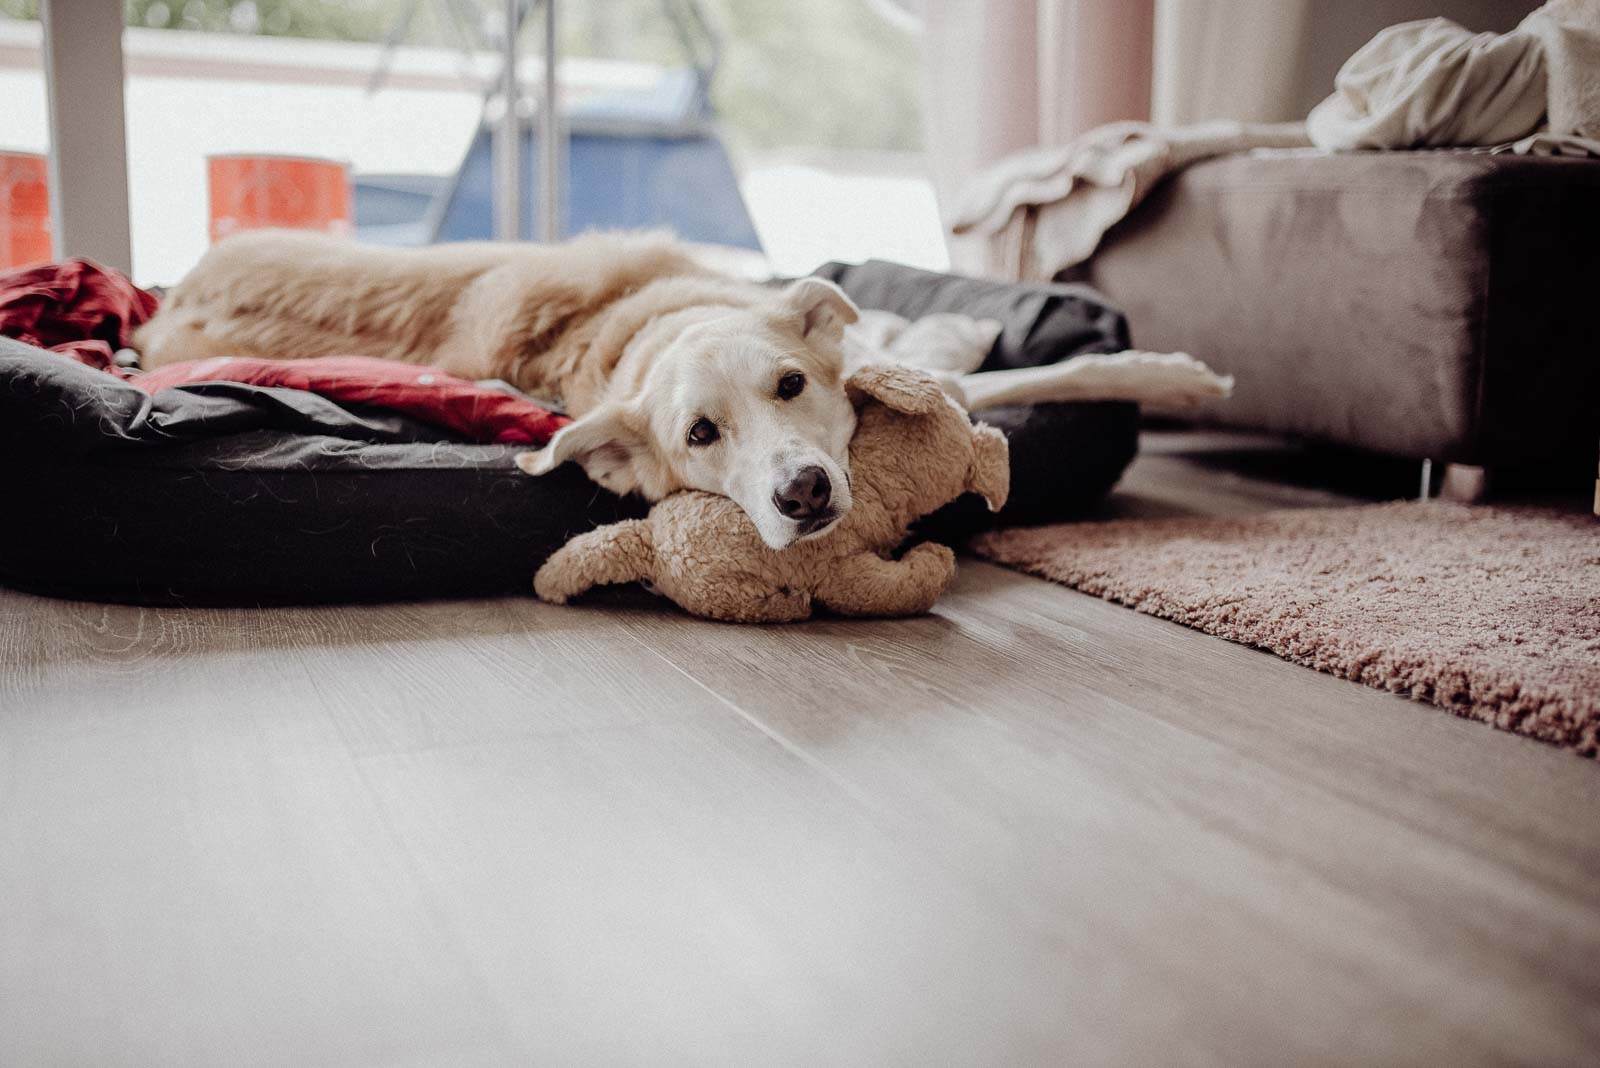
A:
<point x="914" y="451"/>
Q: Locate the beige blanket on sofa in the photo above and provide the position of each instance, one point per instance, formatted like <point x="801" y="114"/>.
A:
<point x="1039" y="212"/>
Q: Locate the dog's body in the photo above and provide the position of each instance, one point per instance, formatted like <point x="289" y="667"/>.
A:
<point x="677" y="377"/>
<point x="525" y="313"/>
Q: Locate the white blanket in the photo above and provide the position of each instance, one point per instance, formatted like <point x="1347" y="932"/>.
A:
<point x="1433" y="84"/>
<point x="1570" y="30"/>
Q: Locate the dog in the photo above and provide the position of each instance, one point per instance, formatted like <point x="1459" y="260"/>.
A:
<point x="677" y="377"/>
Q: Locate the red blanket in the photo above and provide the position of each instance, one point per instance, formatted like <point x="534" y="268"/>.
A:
<point x="86" y="312"/>
<point x="76" y="308"/>
<point x="481" y="413"/>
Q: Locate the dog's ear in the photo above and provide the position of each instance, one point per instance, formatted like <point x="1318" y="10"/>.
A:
<point x="900" y="388"/>
<point x="816" y="304"/>
<point x="610" y="447"/>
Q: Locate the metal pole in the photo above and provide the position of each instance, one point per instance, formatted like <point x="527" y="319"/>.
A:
<point x="508" y="138"/>
<point x="550" y="136"/>
<point x="88" y="140"/>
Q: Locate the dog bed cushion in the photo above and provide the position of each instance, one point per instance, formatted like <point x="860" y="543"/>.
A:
<point x="235" y="493"/>
<point x="1039" y="324"/>
<point x="230" y="493"/>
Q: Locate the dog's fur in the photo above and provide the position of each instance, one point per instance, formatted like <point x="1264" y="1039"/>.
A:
<point x="635" y="339"/>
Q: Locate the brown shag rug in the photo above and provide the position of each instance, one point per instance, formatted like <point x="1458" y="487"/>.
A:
<point x="1492" y="613"/>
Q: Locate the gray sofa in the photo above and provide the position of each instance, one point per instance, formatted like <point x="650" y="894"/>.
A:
<point x="1441" y="305"/>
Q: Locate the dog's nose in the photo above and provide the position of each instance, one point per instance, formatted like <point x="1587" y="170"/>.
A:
<point x="806" y="496"/>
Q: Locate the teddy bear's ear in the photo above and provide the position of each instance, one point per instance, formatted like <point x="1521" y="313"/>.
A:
<point x="900" y="388"/>
<point x="990" y="473"/>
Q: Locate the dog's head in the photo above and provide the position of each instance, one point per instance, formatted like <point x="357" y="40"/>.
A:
<point x="746" y="402"/>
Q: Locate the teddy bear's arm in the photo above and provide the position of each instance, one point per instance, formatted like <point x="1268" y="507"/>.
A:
<point x="620" y="552"/>
<point x="869" y="585"/>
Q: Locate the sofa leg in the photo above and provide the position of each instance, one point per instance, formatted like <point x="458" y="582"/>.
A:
<point x="1465" y="483"/>
<point x="1426" y="490"/>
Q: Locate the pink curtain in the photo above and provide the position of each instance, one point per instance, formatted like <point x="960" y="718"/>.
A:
<point x="1005" y="75"/>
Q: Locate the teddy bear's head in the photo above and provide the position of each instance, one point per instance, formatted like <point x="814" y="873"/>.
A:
<point x="917" y="449"/>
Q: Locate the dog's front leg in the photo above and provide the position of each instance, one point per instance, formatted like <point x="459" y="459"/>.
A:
<point x="1142" y="377"/>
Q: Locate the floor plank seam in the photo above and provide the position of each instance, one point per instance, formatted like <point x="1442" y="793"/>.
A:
<point x="787" y="744"/>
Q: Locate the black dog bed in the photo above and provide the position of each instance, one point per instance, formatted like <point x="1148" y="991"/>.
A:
<point x="225" y="493"/>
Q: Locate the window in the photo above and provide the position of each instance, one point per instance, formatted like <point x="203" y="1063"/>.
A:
<point x="795" y="127"/>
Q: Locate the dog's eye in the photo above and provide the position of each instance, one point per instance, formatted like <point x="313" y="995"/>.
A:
<point x="790" y="385"/>
<point x="704" y="432"/>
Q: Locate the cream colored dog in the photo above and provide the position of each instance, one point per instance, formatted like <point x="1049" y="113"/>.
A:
<point x="676" y="377"/>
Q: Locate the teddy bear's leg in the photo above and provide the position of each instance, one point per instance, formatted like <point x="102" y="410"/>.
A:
<point x="771" y="606"/>
<point x="620" y="552"/>
<point x="869" y="585"/>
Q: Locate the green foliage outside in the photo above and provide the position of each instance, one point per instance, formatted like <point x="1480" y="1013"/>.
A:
<point x="795" y="73"/>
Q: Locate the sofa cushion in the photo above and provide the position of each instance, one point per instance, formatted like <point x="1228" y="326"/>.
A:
<point x="1425" y="304"/>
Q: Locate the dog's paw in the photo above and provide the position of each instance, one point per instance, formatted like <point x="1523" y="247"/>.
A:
<point x="1178" y="378"/>
<point x="533" y="463"/>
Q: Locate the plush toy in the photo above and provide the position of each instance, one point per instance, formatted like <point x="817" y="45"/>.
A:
<point x="914" y="451"/>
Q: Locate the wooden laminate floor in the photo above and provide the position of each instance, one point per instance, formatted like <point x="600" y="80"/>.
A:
<point x="1030" y="828"/>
